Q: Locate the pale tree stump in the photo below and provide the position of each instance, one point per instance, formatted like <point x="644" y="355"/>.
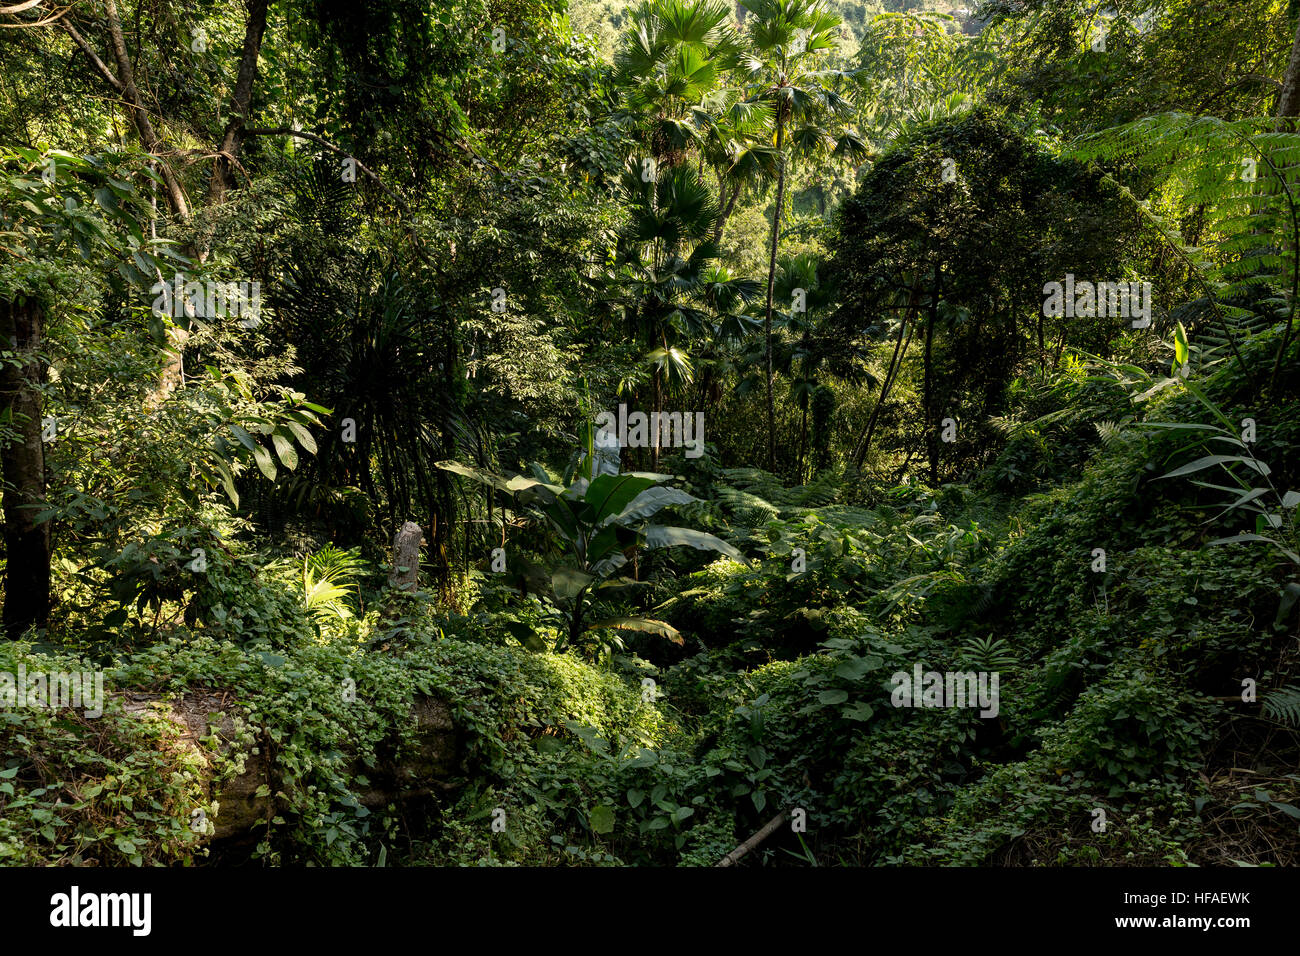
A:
<point x="406" y="557"/>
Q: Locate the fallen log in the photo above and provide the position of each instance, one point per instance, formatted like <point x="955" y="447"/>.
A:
<point x="732" y="858"/>
<point x="240" y="801"/>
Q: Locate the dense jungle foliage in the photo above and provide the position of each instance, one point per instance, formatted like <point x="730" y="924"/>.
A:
<point x="330" y="331"/>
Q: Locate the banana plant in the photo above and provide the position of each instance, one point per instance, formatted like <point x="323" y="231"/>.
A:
<point x="598" y="523"/>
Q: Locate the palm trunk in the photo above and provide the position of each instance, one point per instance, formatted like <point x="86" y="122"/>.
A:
<point x="726" y="207"/>
<point x="657" y="404"/>
<point x="22" y="464"/>
<point x="771" y="286"/>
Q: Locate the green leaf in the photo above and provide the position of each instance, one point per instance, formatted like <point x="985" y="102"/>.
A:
<point x="854" y="668"/>
<point x="1211" y="460"/>
<point x="1287" y="808"/>
<point x="510" y="486"/>
<point x="304" y="437"/>
<point x="245" y="439"/>
<point x="523" y="632"/>
<point x="609" y="494"/>
<point x="833" y="696"/>
<point x="646" y="758"/>
<point x="660" y="536"/>
<point x="265" y="463"/>
<point x="284" y="448"/>
<point x="569" y="582"/>
<point x="601" y="819"/>
<point x="643" y="624"/>
<point x="588" y="735"/>
<point x="648" y="503"/>
<point x="858" y="711"/>
<point x="1181" y="351"/>
<point x="227" y="479"/>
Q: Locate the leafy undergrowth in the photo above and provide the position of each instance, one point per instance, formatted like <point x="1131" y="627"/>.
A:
<point x="1120" y="735"/>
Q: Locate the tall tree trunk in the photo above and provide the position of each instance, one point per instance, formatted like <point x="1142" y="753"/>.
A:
<point x="931" y="438"/>
<point x="124" y="82"/>
<point x="726" y="207"/>
<point x="240" y="101"/>
<point x="803" y="437"/>
<point x="22" y="466"/>
<point x="1288" y="107"/>
<point x="1288" y="100"/>
<point x="895" y="363"/>
<point x="771" y="285"/>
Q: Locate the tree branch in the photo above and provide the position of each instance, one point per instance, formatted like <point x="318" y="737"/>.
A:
<point x="240" y="101"/>
<point x="732" y="858"/>
<point x="100" y="66"/>
<point x="465" y="149"/>
<point x="144" y="127"/>
<point x="28" y="24"/>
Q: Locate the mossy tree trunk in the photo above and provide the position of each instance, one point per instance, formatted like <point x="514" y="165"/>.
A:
<point x="22" y="469"/>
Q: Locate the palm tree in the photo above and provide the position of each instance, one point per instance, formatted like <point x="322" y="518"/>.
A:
<point x="786" y="41"/>
<point x="664" y="277"/>
<point x="672" y="57"/>
<point x="735" y="144"/>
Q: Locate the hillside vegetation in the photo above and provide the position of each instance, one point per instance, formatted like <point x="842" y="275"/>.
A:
<point x="853" y="434"/>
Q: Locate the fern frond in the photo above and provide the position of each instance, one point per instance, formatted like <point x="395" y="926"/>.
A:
<point x="1283" y="705"/>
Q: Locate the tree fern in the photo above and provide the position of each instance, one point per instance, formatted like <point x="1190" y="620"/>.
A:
<point x="1242" y="173"/>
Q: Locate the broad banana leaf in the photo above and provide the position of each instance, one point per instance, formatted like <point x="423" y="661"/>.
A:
<point x="663" y="536"/>
<point x="644" y="624"/>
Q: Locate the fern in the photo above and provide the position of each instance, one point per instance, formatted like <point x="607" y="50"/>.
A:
<point x="1111" y="434"/>
<point x="1283" y="705"/>
<point x="747" y="508"/>
<point x="1242" y="174"/>
<point x="755" y="496"/>
<point x="988" y="654"/>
